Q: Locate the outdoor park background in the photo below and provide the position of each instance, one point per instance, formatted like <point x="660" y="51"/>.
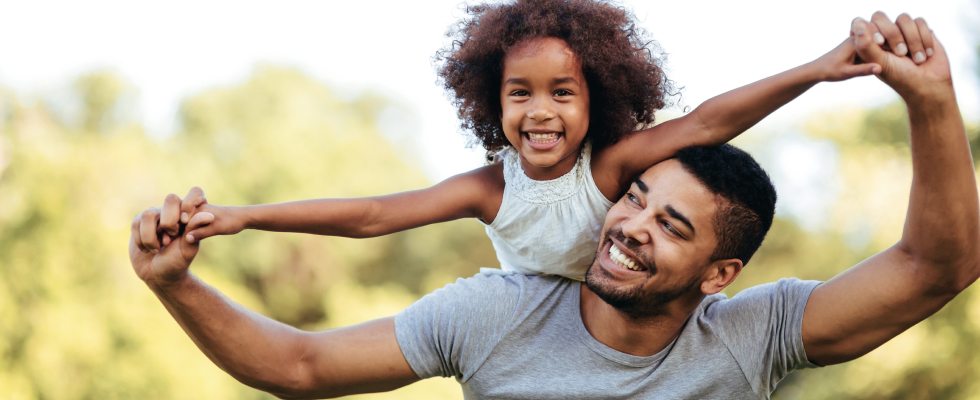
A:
<point x="82" y="151"/>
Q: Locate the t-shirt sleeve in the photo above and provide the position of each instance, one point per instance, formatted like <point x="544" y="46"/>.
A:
<point x="763" y="328"/>
<point x="451" y="331"/>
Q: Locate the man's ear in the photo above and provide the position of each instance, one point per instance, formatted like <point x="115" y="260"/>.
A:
<point x="720" y="274"/>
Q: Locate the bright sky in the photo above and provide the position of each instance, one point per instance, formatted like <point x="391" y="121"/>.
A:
<point x="170" y="50"/>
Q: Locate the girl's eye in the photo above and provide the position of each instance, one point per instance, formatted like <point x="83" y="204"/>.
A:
<point x="562" y="92"/>
<point x="519" y="93"/>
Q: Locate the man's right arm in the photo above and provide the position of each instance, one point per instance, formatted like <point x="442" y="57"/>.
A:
<point x="258" y="351"/>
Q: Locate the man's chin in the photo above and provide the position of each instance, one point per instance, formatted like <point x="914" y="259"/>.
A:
<point x="632" y="300"/>
<point x="604" y="285"/>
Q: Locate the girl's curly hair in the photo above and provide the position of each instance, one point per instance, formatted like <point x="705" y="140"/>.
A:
<point x="621" y="66"/>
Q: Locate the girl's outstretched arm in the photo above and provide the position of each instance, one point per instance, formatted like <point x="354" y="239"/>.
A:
<point x="721" y="118"/>
<point x="475" y="194"/>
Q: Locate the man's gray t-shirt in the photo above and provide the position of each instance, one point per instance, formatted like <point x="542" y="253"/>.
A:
<point x="521" y="336"/>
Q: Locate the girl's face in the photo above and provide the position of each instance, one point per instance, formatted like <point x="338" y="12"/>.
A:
<point x="545" y="106"/>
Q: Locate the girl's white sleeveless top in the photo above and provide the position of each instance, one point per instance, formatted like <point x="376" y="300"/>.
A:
<point x="548" y="227"/>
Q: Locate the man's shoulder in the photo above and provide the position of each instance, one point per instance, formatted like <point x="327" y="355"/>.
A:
<point x="759" y="295"/>
<point x="756" y="305"/>
<point x="754" y="309"/>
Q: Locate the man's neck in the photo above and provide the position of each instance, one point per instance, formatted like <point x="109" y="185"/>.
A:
<point x="646" y="337"/>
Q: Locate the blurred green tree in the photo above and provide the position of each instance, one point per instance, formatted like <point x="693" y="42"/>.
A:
<point x="99" y="93"/>
<point x="75" y="323"/>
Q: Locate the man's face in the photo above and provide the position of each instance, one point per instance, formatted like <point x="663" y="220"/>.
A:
<point x="656" y="242"/>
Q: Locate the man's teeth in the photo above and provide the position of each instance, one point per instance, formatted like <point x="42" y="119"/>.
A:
<point x="619" y="258"/>
<point x="543" y="137"/>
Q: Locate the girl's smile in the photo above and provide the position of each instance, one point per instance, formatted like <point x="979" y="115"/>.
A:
<point x="542" y="139"/>
<point x="545" y="106"/>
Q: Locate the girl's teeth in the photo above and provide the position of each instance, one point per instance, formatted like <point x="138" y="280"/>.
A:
<point x="543" y="137"/>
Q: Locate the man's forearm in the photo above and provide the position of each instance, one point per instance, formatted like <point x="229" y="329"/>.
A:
<point x="255" y="350"/>
<point x="943" y="222"/>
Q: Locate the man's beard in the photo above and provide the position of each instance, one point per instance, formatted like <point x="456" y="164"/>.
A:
<point x="634" y="301"/>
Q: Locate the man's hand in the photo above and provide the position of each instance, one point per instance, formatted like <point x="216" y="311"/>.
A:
<point x="915" y="77"/>
<point x="156" y="249"/>
<point x="842" y="63"/>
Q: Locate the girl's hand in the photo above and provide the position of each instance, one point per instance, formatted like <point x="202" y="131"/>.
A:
<point x="843" y="63"/>
<point x="215" y="220"/>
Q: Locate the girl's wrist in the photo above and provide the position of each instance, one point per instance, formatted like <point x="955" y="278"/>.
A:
<point x="814" y="72"/>
<point x="245" y="216"/>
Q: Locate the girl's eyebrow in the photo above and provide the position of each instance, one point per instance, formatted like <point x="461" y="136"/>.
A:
<point x="556" y="81"/>
<point x="567" y="79"/>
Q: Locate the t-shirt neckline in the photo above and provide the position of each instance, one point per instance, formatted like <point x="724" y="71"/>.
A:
<point x="610" y="353"/>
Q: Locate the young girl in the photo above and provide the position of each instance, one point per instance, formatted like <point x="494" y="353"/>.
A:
<point x="553" y="90"/>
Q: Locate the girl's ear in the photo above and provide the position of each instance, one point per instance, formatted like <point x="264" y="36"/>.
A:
<point x="720" y="274"/>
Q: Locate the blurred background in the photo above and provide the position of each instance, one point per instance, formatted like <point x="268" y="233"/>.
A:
<point x="107" y="106"/>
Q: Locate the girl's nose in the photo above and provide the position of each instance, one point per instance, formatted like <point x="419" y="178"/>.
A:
<point x="541" y="110"/>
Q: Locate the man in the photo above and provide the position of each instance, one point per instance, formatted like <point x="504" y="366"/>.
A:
<point x="648" y="322"/>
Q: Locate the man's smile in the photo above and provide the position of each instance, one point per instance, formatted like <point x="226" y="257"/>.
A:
<point x="617" y="256"/>
<point x="619" y="260"/>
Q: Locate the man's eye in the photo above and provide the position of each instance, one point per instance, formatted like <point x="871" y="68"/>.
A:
<point x="670" y="228"/>
<point x="631" y="197"/>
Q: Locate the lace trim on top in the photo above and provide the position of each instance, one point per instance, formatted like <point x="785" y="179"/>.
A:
<point x="544" y="192"/>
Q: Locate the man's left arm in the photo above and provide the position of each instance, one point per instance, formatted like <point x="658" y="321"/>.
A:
<point x="937" y="256"/>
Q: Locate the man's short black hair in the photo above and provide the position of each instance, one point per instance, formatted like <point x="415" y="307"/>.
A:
<point x="747" y="197"/>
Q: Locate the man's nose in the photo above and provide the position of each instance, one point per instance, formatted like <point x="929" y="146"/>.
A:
<point x="637" y="227"/>
<point x="541" y="110"/>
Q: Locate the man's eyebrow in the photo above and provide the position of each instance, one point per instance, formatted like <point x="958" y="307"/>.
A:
<point x="676" y="215"/>
<point x="643" y="187"/>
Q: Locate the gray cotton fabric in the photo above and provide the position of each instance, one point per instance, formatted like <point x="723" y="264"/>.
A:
<point x="521" y="337"/>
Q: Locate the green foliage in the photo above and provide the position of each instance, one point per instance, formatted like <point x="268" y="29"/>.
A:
<point x="887" y="125"/>
<point x="100" y="93"/>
